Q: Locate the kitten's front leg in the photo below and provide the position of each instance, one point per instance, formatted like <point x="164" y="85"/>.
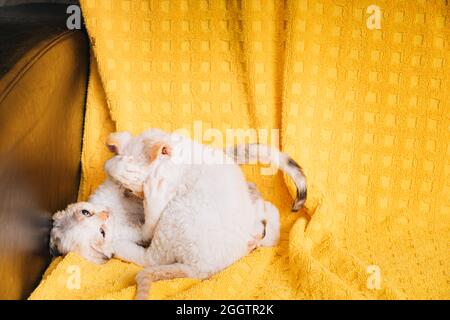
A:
<point x="157" y="194"/>
<point x="131" y="252"/>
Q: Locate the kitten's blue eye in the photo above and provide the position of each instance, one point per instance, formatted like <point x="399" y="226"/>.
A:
<point x="102" y="232"/>
<point x="86" y="213"/>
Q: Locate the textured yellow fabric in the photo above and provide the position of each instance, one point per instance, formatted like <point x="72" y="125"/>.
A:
<point x="366" y="113"/>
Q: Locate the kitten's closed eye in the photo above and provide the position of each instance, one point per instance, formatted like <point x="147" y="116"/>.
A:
<point x="128" y="193"/>
<point x="102" y="232"/>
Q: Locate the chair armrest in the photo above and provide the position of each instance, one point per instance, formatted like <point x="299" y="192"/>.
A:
<point x="43" y="81"/>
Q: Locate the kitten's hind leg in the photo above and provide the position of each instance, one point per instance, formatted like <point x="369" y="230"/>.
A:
<point x="151" y="274"/>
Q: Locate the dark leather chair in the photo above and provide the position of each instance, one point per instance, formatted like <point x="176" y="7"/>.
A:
<point x="43" y="81"/>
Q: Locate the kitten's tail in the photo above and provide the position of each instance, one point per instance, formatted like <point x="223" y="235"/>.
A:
<point x="254" y="153"/>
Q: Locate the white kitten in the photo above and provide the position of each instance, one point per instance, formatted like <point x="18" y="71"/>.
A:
<point x="201" y="215"/>
<point x="92" y="228"/>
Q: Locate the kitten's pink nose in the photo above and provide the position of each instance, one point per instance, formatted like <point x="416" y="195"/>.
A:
<point x="104" y="215"/>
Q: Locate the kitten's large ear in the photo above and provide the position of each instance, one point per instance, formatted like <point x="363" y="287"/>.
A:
<point x="159" y="148"/>
<point x="117" y="141"/>
<point x="59" y="215"/>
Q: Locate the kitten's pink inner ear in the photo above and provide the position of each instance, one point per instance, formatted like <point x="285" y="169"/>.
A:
<point x="159" y="148"/>
<point x="113" y="146"/>
<point x="167" y="150"/>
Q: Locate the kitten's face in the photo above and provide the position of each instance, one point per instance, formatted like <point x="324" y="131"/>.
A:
<point x="134" y="156"/>
<point x="84" y="229"/>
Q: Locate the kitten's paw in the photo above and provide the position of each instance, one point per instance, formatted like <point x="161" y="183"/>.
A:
<point x="157" y="193"/>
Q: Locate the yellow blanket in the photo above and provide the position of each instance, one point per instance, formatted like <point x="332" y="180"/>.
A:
<point x="363" y="107"/>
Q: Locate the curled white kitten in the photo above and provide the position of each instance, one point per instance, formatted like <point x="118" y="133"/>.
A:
<point x="204" y="218"/>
